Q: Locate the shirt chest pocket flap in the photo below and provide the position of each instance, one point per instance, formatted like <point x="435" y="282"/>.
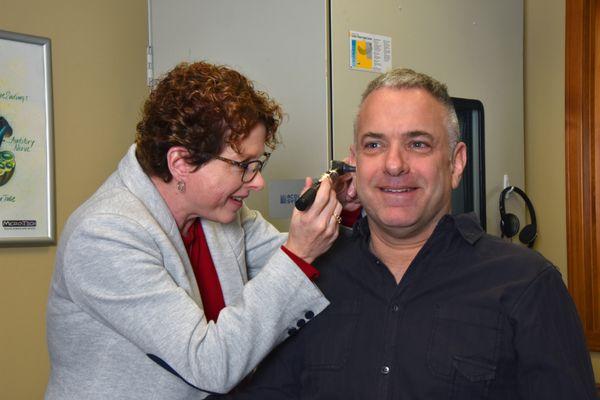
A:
<point x="464" y="342"/>
<point x="336" y="326"/>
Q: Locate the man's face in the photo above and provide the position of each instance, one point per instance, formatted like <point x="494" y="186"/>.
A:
<point x="405" y="173"/>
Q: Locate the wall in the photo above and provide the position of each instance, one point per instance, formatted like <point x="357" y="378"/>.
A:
<point x="98" y="62"/>
<point x="186" y="30"/>
<point x="474" y="46"/>
<point x="99" y="84"/>
<point x="545" y="129"/>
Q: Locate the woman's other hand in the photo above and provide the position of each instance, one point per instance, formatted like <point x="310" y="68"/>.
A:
<point x="313" y="231"/>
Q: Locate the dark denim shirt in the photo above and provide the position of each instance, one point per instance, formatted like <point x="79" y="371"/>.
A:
<point x="474" y="317"/>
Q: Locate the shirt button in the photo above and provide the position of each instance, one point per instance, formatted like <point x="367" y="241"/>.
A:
<point x="385" y="370"/>
<point x="395" y="308"/>
<point x="309" y="315"/>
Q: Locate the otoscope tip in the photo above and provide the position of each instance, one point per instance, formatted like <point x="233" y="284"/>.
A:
<point x="348" y="168"/>
<point x="342" y="167"/>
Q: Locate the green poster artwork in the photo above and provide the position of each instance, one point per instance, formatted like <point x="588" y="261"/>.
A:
<point x="7" y="158"/>
<point x="26" y="145"/>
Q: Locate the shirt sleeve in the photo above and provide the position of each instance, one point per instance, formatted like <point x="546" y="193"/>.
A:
<point x="277" y="377"/>
<point x="553" y="360"/>
<point x="311" y="272"/>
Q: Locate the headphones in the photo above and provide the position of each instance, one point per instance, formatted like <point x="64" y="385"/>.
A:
<point x="509" y="223"/>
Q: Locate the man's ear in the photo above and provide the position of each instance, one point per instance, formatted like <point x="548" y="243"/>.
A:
<point x="176" y="161"/>
<point x="459" y="161"/>
<point x="352" y="156"/>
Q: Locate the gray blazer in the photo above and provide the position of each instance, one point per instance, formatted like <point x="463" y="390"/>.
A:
<point x="124" y="314"/>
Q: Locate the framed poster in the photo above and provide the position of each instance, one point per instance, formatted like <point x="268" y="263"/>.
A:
<point x="26" y="145"/>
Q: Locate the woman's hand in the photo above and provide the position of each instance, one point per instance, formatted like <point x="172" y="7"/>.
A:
<point x="312" y="232"/>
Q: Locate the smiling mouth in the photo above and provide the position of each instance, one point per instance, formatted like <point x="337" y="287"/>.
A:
<point x="397" y="190"/>
<point x="238" y="198"/>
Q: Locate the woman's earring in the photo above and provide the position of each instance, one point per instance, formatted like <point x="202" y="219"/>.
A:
<point x="181" y="186"/>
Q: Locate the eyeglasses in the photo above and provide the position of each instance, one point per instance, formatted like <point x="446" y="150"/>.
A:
<point x="250" y="168"/>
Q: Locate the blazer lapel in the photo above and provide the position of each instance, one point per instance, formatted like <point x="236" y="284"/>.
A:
<point x="226" y="243"/>
<point x="136" y="180"/>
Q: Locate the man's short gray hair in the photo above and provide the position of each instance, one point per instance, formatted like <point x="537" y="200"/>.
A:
<point x="404" y="78"/>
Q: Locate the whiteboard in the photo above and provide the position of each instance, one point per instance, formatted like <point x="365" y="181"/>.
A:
<point x="279" y="44"/>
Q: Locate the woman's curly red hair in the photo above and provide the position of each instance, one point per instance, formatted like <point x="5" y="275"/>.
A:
<point x="202" y="107"/>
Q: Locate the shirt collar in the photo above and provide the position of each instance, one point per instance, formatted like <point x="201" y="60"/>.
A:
<point x="467" y="226"/>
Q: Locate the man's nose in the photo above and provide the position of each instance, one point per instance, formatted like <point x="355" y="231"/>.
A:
<point x="396" y="162"/>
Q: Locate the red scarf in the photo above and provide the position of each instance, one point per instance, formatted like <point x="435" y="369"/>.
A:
<point x="204" y="270"/>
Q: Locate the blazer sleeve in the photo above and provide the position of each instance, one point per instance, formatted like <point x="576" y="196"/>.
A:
<point x="114" y="269"/>
<point x="277" y="377"/>
<point x="262" y="240"/>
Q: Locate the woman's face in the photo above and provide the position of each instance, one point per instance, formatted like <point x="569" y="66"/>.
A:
<point x="215" y="191"/>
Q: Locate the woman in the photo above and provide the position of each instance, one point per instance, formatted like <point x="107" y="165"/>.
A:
<point x="166" y="286"/>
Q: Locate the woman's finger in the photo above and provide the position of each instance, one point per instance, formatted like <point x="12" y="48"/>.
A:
<point x="322" y="197"/>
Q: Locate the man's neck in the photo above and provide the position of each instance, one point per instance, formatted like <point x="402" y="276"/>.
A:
<point x="397" y="253"/>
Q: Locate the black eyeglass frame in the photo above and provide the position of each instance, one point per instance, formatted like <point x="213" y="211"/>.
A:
<point x="251" y="167"/>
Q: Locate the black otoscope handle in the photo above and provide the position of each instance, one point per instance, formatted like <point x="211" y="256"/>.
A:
<point x="337" y="168"/>
<point x="308" y="197"/>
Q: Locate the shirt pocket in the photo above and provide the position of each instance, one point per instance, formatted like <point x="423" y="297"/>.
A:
<point x="463" y="349"/>
<point x="336" y="326"/>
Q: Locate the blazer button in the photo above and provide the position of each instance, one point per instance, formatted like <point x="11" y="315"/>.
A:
<point x="385" y="370"/>
<point x="309" y="315"/>
<point x="300" y="323"/>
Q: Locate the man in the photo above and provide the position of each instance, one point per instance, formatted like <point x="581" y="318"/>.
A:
<point x="425" y="305"/>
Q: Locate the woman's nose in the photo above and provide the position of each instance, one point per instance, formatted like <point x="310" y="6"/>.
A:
<point x="257" y="183"/>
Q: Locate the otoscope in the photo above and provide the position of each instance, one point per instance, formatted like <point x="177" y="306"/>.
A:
<point x="337" y="169"/>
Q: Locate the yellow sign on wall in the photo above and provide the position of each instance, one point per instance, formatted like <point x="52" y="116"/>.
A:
<point x="370" y="52"/>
